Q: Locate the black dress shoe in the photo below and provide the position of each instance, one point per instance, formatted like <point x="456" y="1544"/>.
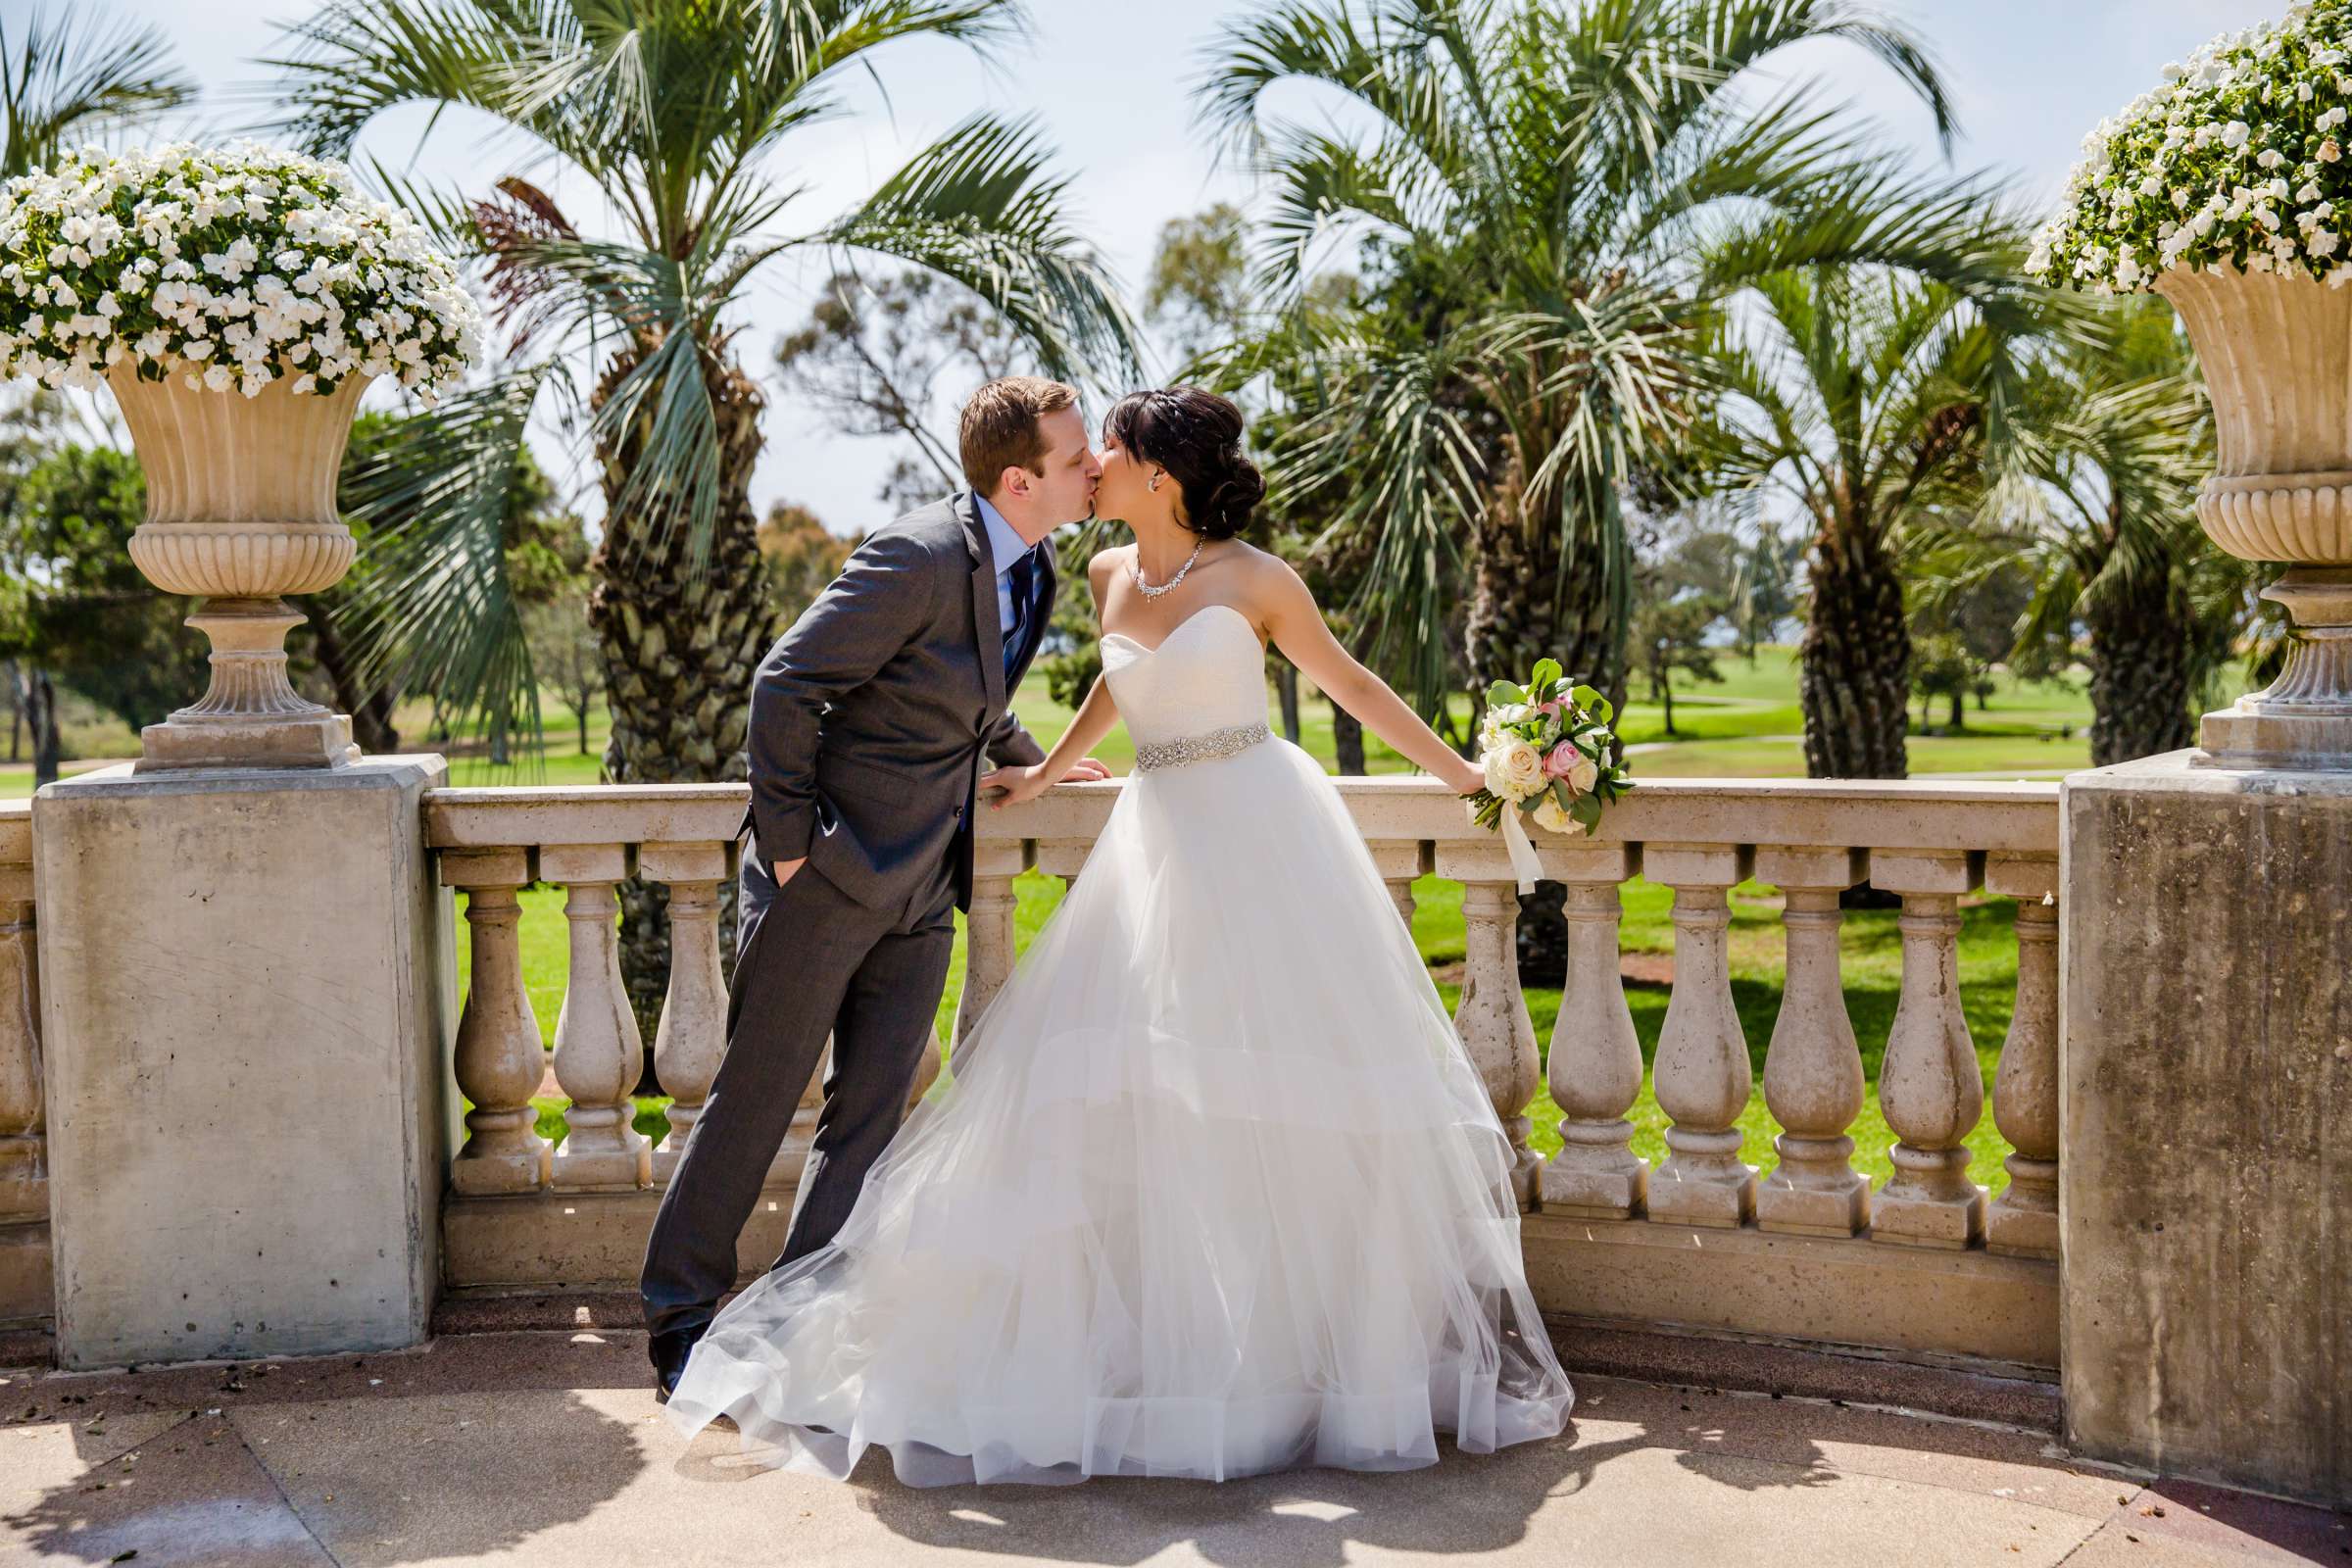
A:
<point x="669" y="1351"/>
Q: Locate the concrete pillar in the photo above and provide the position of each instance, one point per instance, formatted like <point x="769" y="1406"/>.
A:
<point x="2205" y="931"/>
<point x="247" y="1018"/>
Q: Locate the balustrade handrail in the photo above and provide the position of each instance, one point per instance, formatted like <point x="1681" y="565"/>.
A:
<point x="1907" y="814"/>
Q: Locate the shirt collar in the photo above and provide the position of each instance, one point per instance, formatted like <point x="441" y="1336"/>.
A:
<point x="1004" y="544"/>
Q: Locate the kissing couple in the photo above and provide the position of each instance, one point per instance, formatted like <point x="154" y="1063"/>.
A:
<point x="1210" y="1187"/>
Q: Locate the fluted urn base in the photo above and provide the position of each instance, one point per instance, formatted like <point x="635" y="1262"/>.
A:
<point x="2303" y="719"/>
<point x="250" y="715"/>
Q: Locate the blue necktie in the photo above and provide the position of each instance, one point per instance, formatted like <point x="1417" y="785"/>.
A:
<point x="1021" y="575"/>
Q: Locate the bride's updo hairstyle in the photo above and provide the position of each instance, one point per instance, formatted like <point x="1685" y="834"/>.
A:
<point x="1196" y="436"/>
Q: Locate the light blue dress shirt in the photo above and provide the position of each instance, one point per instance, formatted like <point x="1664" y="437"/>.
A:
<point x="1006" y="546"/>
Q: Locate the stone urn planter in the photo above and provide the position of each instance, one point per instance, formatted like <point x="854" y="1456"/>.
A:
<point x="2277" y="351"/>
<point x="241" y="510"/>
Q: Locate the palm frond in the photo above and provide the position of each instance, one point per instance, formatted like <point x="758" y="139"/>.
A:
<point x="978" y="206"/>
<point x="77" y="78"/>
<point x="435" y="611"/>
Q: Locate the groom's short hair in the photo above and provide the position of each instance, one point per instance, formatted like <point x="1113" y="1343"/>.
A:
<point x="998" y="429"/>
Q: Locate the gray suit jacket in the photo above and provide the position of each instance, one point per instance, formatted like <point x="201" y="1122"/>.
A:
<point x="875" y="714"/>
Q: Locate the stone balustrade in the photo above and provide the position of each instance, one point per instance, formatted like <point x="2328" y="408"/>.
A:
<point x="1800" y="1248"/>
<point x="26" y="1270"/>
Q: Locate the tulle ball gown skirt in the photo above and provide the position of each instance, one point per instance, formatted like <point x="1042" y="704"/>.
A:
<point x="1210" y="1190"/>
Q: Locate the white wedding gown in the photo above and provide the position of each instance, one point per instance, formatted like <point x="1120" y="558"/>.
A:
<point x="1210" y="1190"/>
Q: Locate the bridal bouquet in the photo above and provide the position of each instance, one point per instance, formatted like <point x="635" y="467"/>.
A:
<point x="232" y="267"/>
<point x="1545" y="749"/>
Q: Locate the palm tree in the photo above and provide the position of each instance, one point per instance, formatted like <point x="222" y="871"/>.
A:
<point x="675" y="111"/>
<point x="2100" y="505"/>
<point x="1866" y="400"/>
<point x="1554" y="199"/>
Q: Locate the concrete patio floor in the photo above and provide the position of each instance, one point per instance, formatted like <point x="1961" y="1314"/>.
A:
<point x="524" y="1448"/>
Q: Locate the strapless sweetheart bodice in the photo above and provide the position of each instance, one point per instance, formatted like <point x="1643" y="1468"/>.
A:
<point x="1208" y="674"/>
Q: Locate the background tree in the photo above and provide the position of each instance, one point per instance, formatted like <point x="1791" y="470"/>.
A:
<point x="675" y="113"/>
<point x="567" y="657"/>
<point x="2099" y="507"/>
<point x="1552" y="202"/>
<point x="1198" y="293"/>
<point x="1864" y="400"/>
<point x="67" y="76"/>
<point x="801" y="557"/>
<point x="1670" y="638"/>
<point x="882" y="359"/>
<point x="78" y="613"/>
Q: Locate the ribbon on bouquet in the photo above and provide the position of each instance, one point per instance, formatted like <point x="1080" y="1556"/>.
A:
<point x="1520" y="849"/>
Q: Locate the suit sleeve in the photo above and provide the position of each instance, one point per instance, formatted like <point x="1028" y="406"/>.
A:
<point x="882" y="600"/>
<point x="1010" y="742"/>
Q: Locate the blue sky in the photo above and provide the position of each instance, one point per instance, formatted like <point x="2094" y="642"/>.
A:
<point x="1110" y="83"/>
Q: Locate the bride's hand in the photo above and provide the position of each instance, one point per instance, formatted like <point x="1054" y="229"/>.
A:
<point x="1467" y="777"/>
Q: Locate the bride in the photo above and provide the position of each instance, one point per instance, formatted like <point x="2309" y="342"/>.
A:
<point x="1210" y="1188"/>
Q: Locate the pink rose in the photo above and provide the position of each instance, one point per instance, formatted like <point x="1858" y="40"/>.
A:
<point x="1553" y="707"/>
<point x="1562" y="759"/>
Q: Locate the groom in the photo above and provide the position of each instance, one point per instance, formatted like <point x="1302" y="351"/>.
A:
<point x="874" y="720"/>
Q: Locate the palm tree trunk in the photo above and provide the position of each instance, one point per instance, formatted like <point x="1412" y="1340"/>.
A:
<point x="1286" y="692"/>
<point x="1347" y="742"/>
<point x="680" y="640"/>
<point x="1854" y="673"/>
<point x="38" y="696"/>
<point x="371" y="708"/>
<point x="2140" y="677"/>
<point x="1513" y="622"/>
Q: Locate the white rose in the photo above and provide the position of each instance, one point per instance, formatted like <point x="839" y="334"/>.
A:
<point x="1550" y="816"/>
<point x="1584" y="775"/>
<point x="1514" y="770"/>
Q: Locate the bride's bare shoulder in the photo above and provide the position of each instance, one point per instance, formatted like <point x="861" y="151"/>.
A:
<point x="1103" y="565"/>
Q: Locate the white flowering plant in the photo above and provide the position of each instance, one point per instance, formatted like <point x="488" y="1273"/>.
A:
<point x="2236" y="160"/>
<point x="231" y="267"/>
<point x="1544" y="751"/>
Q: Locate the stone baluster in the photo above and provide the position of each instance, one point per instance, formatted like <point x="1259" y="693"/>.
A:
<point x="1813" y="1080"/>
<point x="24" y="1141"/>
<point x="693" y="1032"/>
<point x="988" y="943"/>
<point x="1491" y="1018"/>
<point x="598" y="1054"/>
<point x="500" y="1061"/>
<point x="2025" y="1091"/>
<point x="1596" y="1066"/>
<point x="1702" y="1077"/>
<point x="1930" y="1088"/>
<point x="1401" y="861"/>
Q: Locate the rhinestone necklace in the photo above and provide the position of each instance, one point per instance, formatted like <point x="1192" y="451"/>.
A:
<point x="1137" y="566"/>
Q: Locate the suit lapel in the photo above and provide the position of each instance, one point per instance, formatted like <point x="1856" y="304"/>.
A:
<point x="988" y="637"/>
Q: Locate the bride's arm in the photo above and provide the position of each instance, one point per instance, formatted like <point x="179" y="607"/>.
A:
<point x="1296" y="627"/>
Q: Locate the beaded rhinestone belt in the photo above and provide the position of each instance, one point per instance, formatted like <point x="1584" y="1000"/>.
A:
<point x="1205" y="748"/>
